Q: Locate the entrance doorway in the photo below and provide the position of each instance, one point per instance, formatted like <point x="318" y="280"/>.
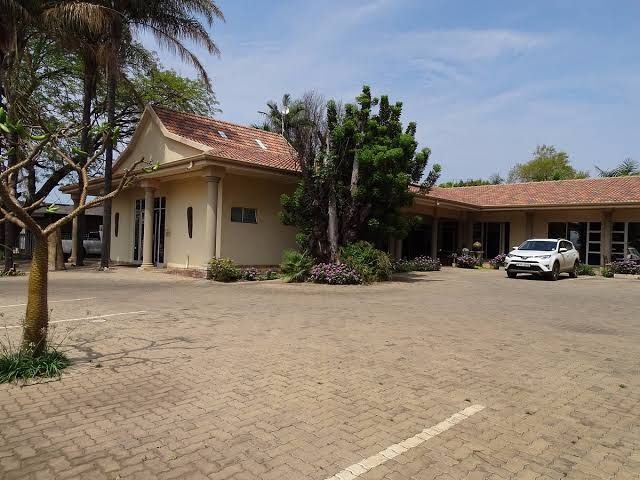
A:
<point x="494" y="237"/>
<point x="159" y="227"/>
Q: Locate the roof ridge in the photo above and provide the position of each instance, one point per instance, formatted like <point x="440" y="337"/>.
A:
<point x="212" y="119"/>
<point x="542" y="182"/>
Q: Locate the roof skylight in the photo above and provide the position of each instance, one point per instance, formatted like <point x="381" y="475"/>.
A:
<point x="260" y="144"/>
<point x="222" y="134"/>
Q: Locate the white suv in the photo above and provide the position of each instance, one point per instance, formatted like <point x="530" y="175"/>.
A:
<point x="546" y="257"/>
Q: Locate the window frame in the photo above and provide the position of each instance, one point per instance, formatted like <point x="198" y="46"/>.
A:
<point x="244" y="218"/>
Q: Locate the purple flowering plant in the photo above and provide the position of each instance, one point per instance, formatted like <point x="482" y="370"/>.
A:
<point x="334" y="274"/>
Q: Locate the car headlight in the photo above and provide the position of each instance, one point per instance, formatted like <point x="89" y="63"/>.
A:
<point x="543" y="257"/>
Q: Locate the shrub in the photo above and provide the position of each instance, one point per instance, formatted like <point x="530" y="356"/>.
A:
<point x="607" y="272"/>
<point x="466" y="261"/>
<point x="426" y="264"/>
<point x="498" y="260"/>
<point x="295" y="266"/>
<point x="250" y="274"/>
<point x="402" y="265"/>
<point x="371" y="264"/>
<point x="629" y="267"/>
<point x="268" y="275"/>
<point x="586" y="270"/>
<point x="335" y="274"/>
<point x="18" y="365"/>
<point x="223" y="270"/>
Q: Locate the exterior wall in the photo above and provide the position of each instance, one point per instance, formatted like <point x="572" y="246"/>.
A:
<point x="155" y="147"/>
<point x="122" y="245"/>
<point x="254" y="244"/>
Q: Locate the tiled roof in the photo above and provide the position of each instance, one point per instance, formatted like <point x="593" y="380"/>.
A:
<point x="238" y="144"/>
<point x="589" y="191"/>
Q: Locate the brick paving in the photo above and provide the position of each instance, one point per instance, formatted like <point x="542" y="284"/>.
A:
<point x="271" y="381"/>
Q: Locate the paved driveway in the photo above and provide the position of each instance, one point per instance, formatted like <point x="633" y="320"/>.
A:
<point x="180" y="378"/>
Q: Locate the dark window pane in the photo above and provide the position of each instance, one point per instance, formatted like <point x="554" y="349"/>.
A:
<point x="618" y="227"/>
<point x="190" y="222"/>
<point x="618" y="237"/>
<point x="594" y="236"/>
<point x="249" y="215"/>
<point x="595" y="226"/>
<point x="557" y="230"/>
<point x="236" y="214"/>
<point x="116" y="224"/>
<point x="634" y="235"/>
<point x="594" y="259"/>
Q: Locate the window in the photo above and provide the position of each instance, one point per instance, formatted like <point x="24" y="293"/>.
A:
<point x="190" y="221"/>
<point x="244" y="215"/>
<point x="624" y="236"/>
<point x="261" y="145"/>
<point x="116" y="224"/>
<point x="222" y="134"/>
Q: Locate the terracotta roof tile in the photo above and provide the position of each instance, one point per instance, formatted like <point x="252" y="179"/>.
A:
<point x="589" y="191"/>
<point x="238" y="144"/>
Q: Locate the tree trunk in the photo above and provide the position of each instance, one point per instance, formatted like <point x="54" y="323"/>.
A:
<point x="10" y="230"/>
<point x="332" y="228"/>
<point x="56" y="255"/>
<point x="36" y="323"/>
<point x="88" y="94"/>
<point x="112" y="82"/>
<point x="355" y="175"/>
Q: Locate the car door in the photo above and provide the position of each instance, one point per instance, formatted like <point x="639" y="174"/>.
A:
<point x="568" y="256"/>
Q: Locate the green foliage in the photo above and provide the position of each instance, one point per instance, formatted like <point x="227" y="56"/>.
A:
<point x="586" y="270"/>
<point x="371" y="264"/>
<point x="364" y="156"/>
<point x="295" y="266"/>
<point x="628" y="167"/>
<point x="223" y="270"/>
<point x="495" y="179"/>
<point x="607" y="272"/>
<point x="19" y="365"/>
<point x="547" y="164"/>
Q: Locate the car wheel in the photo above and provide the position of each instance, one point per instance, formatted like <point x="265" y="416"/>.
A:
<point x="574" y="273"/>
<point x="512" y="274"/>
<point x="555" y="272"/>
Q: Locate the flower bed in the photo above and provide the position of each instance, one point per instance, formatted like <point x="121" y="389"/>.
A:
<point x="334" y="274"/>
<point x="426" y="264"/>
<point x="498" y="261"/>
<point x="628" y="267"/>
<point x="466" y="261"/>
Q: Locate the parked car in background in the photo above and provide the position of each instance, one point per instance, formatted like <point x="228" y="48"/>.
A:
<point x="92" y="244"/>
<point x="547" y="257"/>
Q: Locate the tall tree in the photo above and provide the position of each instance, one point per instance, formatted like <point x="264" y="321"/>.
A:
<point x="547" y="164"/>
<point x="170" y="22"/>
<point x="628" y="167"/>
<point x="494" y="179"/>
<point x="34" y="341"/>
<point x="357" y="167"/>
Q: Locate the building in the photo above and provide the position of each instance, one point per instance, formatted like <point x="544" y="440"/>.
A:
<point x="218" y="186"/>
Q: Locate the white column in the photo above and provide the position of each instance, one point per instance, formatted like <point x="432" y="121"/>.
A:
<point x="147" y="250"/>
<point x="434" y="237"/>
<point x="211" y="218"/>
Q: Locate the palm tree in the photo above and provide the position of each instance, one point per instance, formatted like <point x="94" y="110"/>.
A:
<point x="628" y="167"/>
<point x="283" y="118"/>
<point x="171" y="22"/>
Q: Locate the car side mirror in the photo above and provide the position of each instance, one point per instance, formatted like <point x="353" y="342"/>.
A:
<point x="563" y="250"/>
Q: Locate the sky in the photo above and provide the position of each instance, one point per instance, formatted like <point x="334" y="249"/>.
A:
<point x="486" y="81"/>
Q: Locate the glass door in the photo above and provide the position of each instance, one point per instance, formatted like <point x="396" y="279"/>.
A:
<point x="159" y="213"/>
<point x="138" y="231"/>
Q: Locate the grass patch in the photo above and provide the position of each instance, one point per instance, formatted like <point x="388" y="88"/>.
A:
<point x="16" y="366"/>
<point x="586" y="270"/>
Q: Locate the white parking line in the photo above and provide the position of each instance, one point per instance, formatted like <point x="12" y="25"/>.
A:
<point x="50" y="301"/>
<point x="95" y="319"/>
<point x="393" y="451"/>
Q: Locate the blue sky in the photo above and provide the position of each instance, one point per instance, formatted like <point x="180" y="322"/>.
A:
<point x="486" y="81"/>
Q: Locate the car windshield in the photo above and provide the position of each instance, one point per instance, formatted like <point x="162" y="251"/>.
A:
<point x="540" y="245"/>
